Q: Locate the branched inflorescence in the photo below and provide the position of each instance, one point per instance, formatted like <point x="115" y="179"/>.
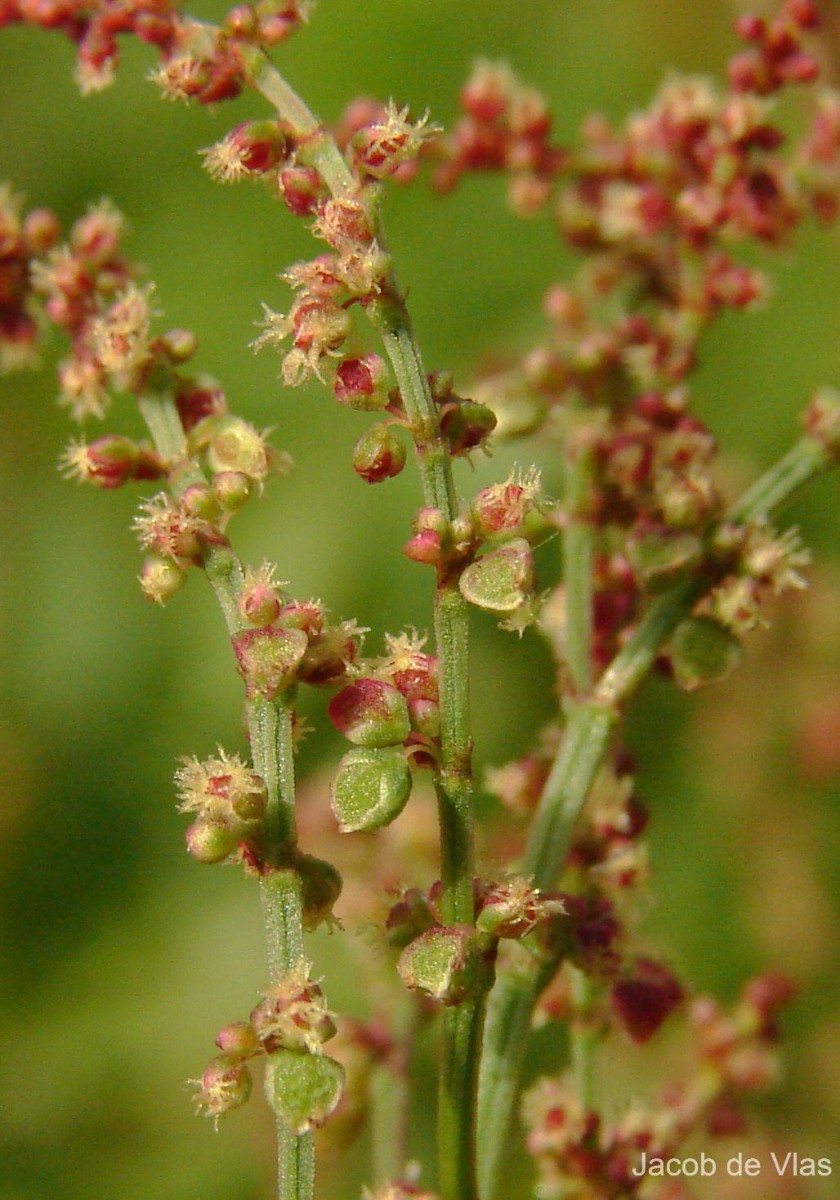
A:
<point x="658" y="570"/>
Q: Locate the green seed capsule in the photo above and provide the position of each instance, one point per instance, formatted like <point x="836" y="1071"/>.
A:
<point x="703" y="651"/>
<point x="302" y="1088"/>
<point x="370" y="789"/>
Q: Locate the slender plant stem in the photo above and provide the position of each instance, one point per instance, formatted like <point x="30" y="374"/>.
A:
<point x="270" y="730"/>
<point x="578" y="558"/>
<point x="805" y="459"/>
<point x="578" y="565"/>
<point x="588" y="727"/>
<point x="583" y="1039"/>
<point x="461" y="1027"/>
<point x="584" y="743"/>
<point x="507" y="1026"/>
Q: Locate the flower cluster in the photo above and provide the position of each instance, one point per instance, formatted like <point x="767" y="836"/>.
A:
<point x="195" y="63"/>
<point x="579" y="1154"/>
<point x="22" y="239"/>
<point x="290" y="1025"/>
<point x="390" y="712"/>
<point x="229" y="801"/>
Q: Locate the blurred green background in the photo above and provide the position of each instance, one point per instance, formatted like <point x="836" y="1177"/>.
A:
<point x="119" y="957"/>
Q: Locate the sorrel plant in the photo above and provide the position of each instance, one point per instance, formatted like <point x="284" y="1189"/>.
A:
<point x="660" y="571"/>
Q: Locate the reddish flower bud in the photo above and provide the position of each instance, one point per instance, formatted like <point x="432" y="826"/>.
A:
<point x="371" y="713"/>
<point x="307" y="615"/>
<point x="41" y="231"/>
<point x="329" y="655"/>
<point x="232" y="489"/>
<point x="111" y="461"/>
<point x="359" y="383"/>
<point x="379" y="454"/>
<point x="161" y="578"/>
<point x="487" y="93"/>
<point x="424" y="547"/>
<point x="645" y="997"/>
<point x="268" y="659"/>
<point x="238" y="1040"/>
<point x="804" y="12"/>
<point x="302" y="190"/>
<point x="425" y="717"/>
<point x="95" y="237"/>
<point x="344" y="222"/>
<point x="210" y="841"/>
<point x="199" y="398"/>
<point x="258" y="602"/>
<point x="321" y="888"/>
<point x="767" y="994"/>
<point x="224" y="1085"/>
<point x="466" y="425"/>
<point x="242" y="21"/>
<point x="252" y="148"/>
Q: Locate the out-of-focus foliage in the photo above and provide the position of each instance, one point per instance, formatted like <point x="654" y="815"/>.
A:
<point x="120" y="958"/>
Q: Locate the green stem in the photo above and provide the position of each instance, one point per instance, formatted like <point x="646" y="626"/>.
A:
<point x="583" y="1038"/>
<point x="461" y="1028"/>
<point x="584" y="743"/>
<point x="272" y="751"/>
<point x="507" y="1028"/>
<point x="272" y="748"/>
<point x="585" y="739"/>
<point x="454" y="782"/>
<point x="578" y="557"/>
<point x="807" y="458"/>
<point x="460" y="1057"/>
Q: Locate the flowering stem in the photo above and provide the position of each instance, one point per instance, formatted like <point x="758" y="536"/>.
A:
<point x="461" y="1027"/>
<point x="318" y="147"/>
<point x="270" y="731"/>
<point x="579" y="756"/>
<point x="463" y="1024"/>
